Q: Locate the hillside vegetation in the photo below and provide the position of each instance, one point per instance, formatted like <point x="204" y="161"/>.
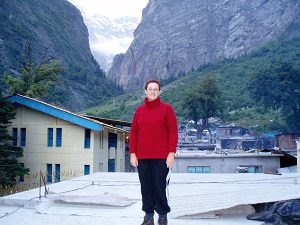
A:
<point x="53" y="29"/>
<point x="233" y="77"/>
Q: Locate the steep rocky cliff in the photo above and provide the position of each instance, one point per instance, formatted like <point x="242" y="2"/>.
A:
<point x="178" y="35"/>
<point x="57" y="27"/>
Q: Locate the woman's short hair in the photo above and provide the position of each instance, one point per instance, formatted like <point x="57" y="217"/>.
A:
<point x="152" y="81"/>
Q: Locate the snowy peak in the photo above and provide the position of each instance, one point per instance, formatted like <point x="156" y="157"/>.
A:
<point x="109" y="37"/>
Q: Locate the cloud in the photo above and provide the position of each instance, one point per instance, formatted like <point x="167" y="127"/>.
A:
<point x="111" y="8"/>
<point x="112" y="46"/>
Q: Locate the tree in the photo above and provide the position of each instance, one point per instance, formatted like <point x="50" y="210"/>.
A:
<point x="123" y="106"/>
<point x="9" y="166"/>
<point x="34" y="78"/>
<point x="203" y="103"/>
<point x="277" y="86"/>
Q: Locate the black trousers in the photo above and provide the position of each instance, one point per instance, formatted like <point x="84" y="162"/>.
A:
<point x="152" y="175"/>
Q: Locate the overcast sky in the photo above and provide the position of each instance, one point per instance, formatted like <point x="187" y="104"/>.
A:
<point x="112" y="8"/>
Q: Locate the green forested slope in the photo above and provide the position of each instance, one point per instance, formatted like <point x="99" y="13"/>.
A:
<point x="233" y="77"/>
<point x="54" y="28"/>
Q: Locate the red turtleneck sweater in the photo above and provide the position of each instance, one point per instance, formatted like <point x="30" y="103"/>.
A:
<point x="154" y="130"/>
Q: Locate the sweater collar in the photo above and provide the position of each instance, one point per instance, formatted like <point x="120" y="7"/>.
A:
<point x="152" y="104"/>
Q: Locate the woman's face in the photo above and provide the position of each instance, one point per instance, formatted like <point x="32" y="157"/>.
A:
<point x="152" y="91"/>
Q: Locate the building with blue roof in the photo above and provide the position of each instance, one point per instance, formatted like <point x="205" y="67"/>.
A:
<point x="62" y="144"/>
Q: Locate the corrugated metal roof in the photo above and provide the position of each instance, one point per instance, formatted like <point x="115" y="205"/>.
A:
<point x="60" y="113"/>
<point x="190" y="195"/>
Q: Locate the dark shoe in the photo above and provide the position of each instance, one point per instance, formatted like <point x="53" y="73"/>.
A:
<point x="148" y="221"/>
<point x="162" y="221"/>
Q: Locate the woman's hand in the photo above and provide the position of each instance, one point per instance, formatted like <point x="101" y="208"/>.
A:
<point x="133" y="160"/>
<point x="170" y="159"/>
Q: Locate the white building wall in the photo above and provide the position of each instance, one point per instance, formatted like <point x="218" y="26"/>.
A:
<point x="120" y="153"/>
<point x="103" y="159"/>
<point x="71" y="155"/>
<point x="112" y="153"/>
<point x="96" y="151"/>
<point x="227" y="164"/>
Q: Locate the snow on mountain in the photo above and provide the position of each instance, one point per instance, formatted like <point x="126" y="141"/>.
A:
<point x="109" y="37"/>
<point x="110" y="28"/>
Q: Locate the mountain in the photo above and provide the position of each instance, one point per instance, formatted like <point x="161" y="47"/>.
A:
<point x="176" y="36"/>
<point x="57" y="28"/>
<point x="233" y="77"/>
<point x="109" y="36"/>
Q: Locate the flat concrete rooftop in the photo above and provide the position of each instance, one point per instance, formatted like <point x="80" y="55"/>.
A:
<point x="114" y="198"/>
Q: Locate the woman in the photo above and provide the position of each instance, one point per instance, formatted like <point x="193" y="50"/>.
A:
<point x="153" y="141"/>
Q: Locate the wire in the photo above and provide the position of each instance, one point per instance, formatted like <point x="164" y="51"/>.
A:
<point x="21" y="206"/>
<point x="76" y="189"/>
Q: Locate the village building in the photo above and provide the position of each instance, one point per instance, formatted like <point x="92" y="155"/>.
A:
<point x="62" y="144"/>
<point x="237" y="137"/>
<point x="231" y="130"/>
<point x="233" y="151"/>
<point x="287" y="142"/>
<point x="226" y="162"/>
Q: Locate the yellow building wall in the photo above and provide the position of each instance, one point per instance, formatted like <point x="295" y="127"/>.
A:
<point x="72" y="156"/>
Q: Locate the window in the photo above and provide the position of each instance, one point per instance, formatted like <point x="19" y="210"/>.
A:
<point x="254" y="169"/>
<point x="57" y="173"/>
<point x="87" y="138"/>
<point x="50" y="137"/>
<point x="198" y="169"/>
<point x="86" y="169"/>
<point x="112" y="140"/>
<point x="111" y="165"/>
<point x="23" y="137"/>
<point x="49" y="173"/>
<point x="249" y="169"/>
<point x="15" y="136"/>
<point x="58" y="137"/>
